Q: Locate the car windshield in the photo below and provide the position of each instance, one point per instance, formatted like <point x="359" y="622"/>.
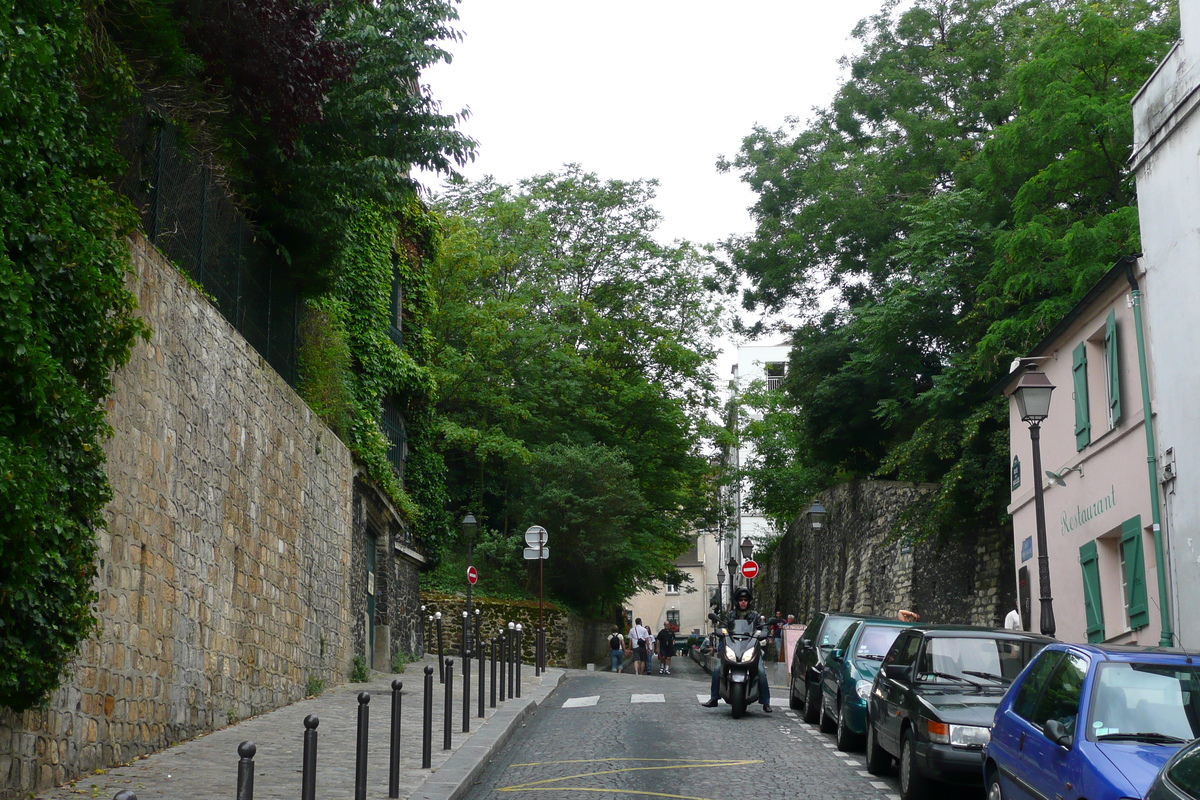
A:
<point x="1129" y="698"/>
<point x="978" y="660"/>
<point x="875" y="641"/>
<point x="834" y="628"/>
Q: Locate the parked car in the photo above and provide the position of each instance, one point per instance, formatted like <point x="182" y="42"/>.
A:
<point x="847" y="676"/>
<point x="932" y="703"/>
<point x="1093" y="720"/>
<point x="1179" y="779"/>
<point x="804" y="684"/>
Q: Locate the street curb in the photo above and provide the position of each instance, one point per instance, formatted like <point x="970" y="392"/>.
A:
<point x="457" y="775"/>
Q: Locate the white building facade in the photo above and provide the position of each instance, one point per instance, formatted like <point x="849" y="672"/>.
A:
<point x="1167" y="167"/>
<point x="768" y="364"/>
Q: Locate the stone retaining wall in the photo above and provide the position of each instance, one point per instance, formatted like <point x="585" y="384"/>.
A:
<point x="227" y="575"/>
<point x="862" y="562"/>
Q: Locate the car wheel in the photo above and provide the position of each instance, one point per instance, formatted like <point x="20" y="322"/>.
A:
<point x="812" y="704"/>
<point x="878" y="760"/>
<point x="828" y="723"/>
<point x="994" y="792"/>
<point x="913" y="785"/>
<point x="847" y="739"/>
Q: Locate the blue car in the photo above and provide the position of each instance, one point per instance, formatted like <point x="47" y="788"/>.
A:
<point x="1092" y="721"/>
<point x="847" y="675"/>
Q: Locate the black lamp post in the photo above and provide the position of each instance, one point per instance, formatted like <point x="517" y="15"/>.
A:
<point x="1032" y="394"/>
<point x="720" y="587"/>
<point x="816" y="522"/>
<point x="468" y="526"/>
<point x="733" y="568"/>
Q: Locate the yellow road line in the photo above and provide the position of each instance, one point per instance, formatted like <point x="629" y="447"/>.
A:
<point x="541" y="786"/>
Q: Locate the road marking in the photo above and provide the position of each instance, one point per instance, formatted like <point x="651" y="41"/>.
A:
<point x="578" y="702"/>
<point x="866" y="774"/>
<point x="544" y="785"/>
<point x="880" y="785"/>
<point x="647" y="698"/>
<point x="830" y="745"/>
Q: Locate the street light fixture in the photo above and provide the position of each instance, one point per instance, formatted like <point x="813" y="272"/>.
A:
<point x="816" y="516"/>
<point x="720" y="586"/>
<point x="747" y="548"/>
<point x="733" y="568"/>
<point x="1032" y="394"/>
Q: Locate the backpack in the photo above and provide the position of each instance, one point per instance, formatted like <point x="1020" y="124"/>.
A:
<point x="614" y="642"/>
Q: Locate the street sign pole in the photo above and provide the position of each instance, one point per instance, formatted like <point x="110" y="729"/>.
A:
<point x="535" y="539"/>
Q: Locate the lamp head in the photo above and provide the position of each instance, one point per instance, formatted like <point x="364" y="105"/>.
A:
<point x="1057" y="477"/>
<point x="816" y="516"/>
<point x="1032" y="394"/>
<point x="747" y="547"/>
<point x="468" y="524"/>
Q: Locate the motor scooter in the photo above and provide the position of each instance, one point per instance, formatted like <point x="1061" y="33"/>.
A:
<point x="739" y="651"/>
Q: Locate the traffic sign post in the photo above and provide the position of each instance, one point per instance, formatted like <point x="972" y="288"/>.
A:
<point x="536" y="538"/>
<point x="750" y="569"/>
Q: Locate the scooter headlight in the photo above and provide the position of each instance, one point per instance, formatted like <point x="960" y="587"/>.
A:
<point x="748" y="656"/>
<point x="730" y="655"/>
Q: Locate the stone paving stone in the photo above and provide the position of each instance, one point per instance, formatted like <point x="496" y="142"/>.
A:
<point x="207" y="766"/>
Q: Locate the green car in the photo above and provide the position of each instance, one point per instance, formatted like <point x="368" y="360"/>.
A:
<point x="847" y="676"/>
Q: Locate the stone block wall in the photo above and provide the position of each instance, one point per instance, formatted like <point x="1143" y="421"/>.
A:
<point x="863" y="562"/>
<point x="571" y="641"/>
<point x="223" y="574"/>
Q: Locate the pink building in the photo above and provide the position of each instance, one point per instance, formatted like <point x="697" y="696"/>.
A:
<point x="1102" y="534"/>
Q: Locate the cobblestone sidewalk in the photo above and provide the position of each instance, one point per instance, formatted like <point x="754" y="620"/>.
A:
<point x="207" y="766"/>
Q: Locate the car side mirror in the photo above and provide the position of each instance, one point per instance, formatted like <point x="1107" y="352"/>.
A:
<point x="837" y="655"/>
<point x="806" y="644"/>
<point x="897" y="672"/>
<point x="1057" y="732"/>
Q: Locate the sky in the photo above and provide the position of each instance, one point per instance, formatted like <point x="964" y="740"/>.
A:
<point x="638" y="90"/>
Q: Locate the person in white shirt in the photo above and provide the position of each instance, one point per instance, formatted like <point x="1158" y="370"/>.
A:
<point x="639" y="640"/>
<point x="1012" y="622"/>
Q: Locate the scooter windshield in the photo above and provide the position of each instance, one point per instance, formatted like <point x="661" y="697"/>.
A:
<point x="742" y="627"/>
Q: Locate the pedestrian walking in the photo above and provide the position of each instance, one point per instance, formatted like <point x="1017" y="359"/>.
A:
<point x="666" y="649"/>
<point x="639" y="643"/>
<point x="777" y="634"/>
<point x="650" y="643"/>
<point x="616" y="648"/>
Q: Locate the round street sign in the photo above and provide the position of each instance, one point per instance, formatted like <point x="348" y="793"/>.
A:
<point x="472" y="575"/>
<point x="750" y="569"/>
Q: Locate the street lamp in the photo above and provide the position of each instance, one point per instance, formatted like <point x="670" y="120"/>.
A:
<point x="816" y="516"/>
<point x="720" y="586"/>
<point x="747" y="548"/>
<point x="1032" y="394"/>
<point x="468" y="526"/>
<point x="733" y="568"/>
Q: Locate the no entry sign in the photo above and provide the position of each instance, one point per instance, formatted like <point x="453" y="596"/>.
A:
<point x="472" y="575"/>
<point x="750" y="569"/>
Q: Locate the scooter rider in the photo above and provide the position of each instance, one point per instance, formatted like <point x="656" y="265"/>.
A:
<point x="741" y="610"/>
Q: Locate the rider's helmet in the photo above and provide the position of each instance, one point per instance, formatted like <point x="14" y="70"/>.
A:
<point x="742" y="593"/>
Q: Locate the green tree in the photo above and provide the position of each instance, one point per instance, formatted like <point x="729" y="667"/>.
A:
<point x="565" y="328"/>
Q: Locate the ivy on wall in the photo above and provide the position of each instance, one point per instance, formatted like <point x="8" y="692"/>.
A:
<point x="67" y="323"/>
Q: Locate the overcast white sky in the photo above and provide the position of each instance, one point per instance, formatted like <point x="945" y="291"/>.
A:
<point x="646" y="89"/>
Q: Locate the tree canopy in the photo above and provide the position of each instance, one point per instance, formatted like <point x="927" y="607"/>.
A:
<point x="964" y="188"/>
<point x="574" y="359"/>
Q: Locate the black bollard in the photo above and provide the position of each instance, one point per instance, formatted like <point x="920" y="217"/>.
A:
<point x="448" y="711"/>
<point x="441" y="653"/>
<point x="427" y="723"/>
<point x="466" y="701"/>
<point x="518" y="662"/>
<point x="512" y="650"/>
<point x="308" y="764"/>
<point x="360" y="753"/>
<point x="537" y="652"/>
<point x="466" y="635"/>
<point x="492" y="695"/>
<point x="245" y="785"/>
<point x="479" y="648"/>
<point x="503" y="661"/>
<point x="394" y="749"/>
<point x="125" y="794"/>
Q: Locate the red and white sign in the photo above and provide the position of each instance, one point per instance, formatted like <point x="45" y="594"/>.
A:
<point x="750" y="569"/>
<point x="472" y="575"/>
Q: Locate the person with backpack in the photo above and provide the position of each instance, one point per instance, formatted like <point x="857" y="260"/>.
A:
<point x="639" y="640"/>
<point x="616" y="648"/>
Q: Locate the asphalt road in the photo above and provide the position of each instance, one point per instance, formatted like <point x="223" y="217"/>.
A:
<point x="647" y="735"/>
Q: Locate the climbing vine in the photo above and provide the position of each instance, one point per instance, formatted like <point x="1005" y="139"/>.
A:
<point x="67" y="323"/>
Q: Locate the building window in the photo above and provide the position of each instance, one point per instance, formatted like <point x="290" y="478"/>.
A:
<point x="396" y="305"/>
<point x="776" y="371"/>
<point x="392" y="423"/>
<point x="673" y="618"/>
<point x="672" y="588"/>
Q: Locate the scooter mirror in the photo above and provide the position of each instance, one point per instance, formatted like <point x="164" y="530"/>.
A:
<point x="713" y="616"/>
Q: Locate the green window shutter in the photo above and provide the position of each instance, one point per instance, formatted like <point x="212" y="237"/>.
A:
<point x="1083" y="427"/>
<point x="1135" y="573"/>
<point x="1092" y="606"/>
<point x="1114" y="373"/>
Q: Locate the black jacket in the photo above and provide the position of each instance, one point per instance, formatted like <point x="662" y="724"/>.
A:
<point x="755" y="619"/>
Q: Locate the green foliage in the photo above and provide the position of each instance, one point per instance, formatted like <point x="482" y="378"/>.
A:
<point x="358" y="670"/>
<point x="963" y="191"/>
<point x="400" y="660"/>
<point x="314" y="686"/>
<point x="67" y="323"/>
<point x="573" y="359"/>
